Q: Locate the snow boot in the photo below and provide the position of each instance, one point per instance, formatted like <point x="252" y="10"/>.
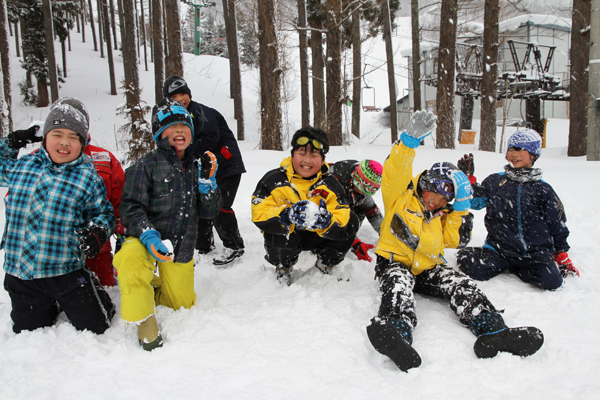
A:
<point x="228" y="256"/>
<point x="493" y="336"/>
<point x="325" y="269"/>
<point x="284" y="275"/>
<point x="392" y="337"/>
<point x="149" y="336"/>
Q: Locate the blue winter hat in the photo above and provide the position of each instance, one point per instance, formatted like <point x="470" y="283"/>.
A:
<point x="526" y="139"/>
<point x="169" y="112"/>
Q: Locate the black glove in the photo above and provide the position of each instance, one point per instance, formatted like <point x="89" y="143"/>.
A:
<point x="91" y="240"/>
<point x="208" y="167"/>
<point x="467" y="164"/>
<point x="19" y="139"/>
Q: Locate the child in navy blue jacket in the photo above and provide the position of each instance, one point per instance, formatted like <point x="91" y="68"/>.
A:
<point x="525" y="220"/>
<point x="56" y="215"/>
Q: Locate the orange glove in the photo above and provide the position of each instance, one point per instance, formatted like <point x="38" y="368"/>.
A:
<point x="361" y="250"/>
<point x="565" y="265"/>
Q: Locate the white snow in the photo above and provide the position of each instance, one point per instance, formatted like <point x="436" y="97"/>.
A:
<point x="248" y="337"/>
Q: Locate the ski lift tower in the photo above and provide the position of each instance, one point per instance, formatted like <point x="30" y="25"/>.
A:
<point x="197" y="14"/>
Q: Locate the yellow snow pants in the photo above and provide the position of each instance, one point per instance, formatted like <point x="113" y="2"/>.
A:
<point x="141" y="289"/>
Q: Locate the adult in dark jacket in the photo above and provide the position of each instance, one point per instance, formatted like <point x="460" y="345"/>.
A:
<point x="211" y="133"/>
<point x="525" y="220"/>
<point x="361" y="180"/>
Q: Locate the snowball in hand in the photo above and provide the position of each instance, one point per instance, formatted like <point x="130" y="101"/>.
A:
<point x="312" y="212"/>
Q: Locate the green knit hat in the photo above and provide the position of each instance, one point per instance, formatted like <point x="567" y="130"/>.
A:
<point x="367" y="176"/>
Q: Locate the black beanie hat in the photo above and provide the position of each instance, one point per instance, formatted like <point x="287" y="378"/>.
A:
<point x="169" y="112"/>
<point x="311" y="133"/>
<point x="175" y="84"/>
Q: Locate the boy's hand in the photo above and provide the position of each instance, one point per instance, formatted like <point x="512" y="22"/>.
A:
<point x="323" y="218"/>
<point x="467" y="165"/>
<point x="21" y="138"/>
<point x="91" y="240"/>
<point x="462" y="190"/>
<point x="565" y="265"/>
<point x="207" y="170"/>
<point x="361" y="250"/>
<point x="295" y="215"/>
<point x="158" y="250"/>
<point x="119" y="228"/>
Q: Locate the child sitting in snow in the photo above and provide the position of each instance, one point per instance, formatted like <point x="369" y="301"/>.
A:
<point x="164" y="195"/>
<point x="56" y="215"/>
<point x="418" y="224"/>
<point x="282" y="201"/>
<point x="360" y="180"/>
<point x="525" y="220"/>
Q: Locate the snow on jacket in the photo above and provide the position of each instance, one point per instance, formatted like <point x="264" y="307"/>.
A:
<point x="111" y="172"/>
<point x="161" y="193"/>
<point x="48" y="202"/>
<point x="212" y="133"/>
<point x="282" y="187"/>
<point x="521" y="218"/>
<point x="363" y="205"/>
<point x="409" y="233"/>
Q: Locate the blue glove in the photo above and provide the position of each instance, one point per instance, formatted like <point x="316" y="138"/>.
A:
<point x="421" y="125"/>
<point x="295" y="215"/>
<point x="207" y="171"/>
<point x="463" y="191"/>
<point x="151" y="239"/>
<point x="323" y="219"/>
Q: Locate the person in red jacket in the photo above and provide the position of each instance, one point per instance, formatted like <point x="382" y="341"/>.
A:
<point x="111" y="172"/>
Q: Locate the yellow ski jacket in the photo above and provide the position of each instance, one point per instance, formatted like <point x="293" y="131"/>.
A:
<point x="282" y="187"/>
<point x="410" y="234"/>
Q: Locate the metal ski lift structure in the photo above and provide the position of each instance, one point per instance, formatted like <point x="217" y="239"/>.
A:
<point x="530" y="81"/>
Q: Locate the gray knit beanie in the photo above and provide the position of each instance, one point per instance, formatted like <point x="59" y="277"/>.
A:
<point x="67" y="116"/>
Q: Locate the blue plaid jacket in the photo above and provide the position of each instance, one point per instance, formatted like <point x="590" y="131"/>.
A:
<point x="47" y="202"/>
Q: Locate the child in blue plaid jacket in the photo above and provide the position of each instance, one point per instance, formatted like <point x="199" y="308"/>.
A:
<point x="56" y="215"/>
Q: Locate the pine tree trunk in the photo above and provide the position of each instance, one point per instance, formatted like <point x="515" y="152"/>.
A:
<point x="234" y="65"/>
<point x="334" y="72"/>
<point x="580" y="60"/>
<point x="487" y="137"/>
<point x="52" y="75"/>
<point x="17" y="45"/>
<point x="111" y="64"/>
<point x="92" y="25"/>
<point x="174" y="61"/>
<point x="113" y="24"/>
<point x="356" y="72"/>
<point x="416" y="54"/>
<point x="100" y="33"/>
<point x="270" y="77"/>
<point x="157" y="49"/>
<point x="143" y="25"/>
<point x="445" y="84"/>
<point x="303" y="48"/>
<point x="6" y="97"/>
<point x="130" y="65"/>
<point x="389" y="53"/>
<point x="82" y="16"/>
<point x="318" y="81"/>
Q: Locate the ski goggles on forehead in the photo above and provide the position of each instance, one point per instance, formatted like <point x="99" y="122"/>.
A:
<point x="162" y="114"/>
<point x="443" y="186"/>
<point x="303" y="141"/>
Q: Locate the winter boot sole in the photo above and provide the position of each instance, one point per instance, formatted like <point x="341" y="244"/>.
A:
<point x="231" y="258"/>
<point x="522" y="342"/>
<point x="158" y="342"/>
<point x="387" y="340"/>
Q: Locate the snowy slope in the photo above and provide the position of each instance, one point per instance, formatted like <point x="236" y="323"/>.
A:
<point x="248" y="337"/>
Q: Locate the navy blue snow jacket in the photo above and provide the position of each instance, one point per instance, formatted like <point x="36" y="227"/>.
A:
<point x="212" y="133"/>
<point x="522" y="218"/>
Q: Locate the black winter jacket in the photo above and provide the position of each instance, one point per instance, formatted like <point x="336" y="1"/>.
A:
<point x="161" y="193"/>
<point x="212" y="133"/>
<point x="521" y="218"/>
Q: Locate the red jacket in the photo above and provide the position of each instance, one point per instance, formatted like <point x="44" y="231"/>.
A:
<point x="109" y="168"/>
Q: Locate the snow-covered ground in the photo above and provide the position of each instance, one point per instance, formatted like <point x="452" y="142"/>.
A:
<point x="249" y="337"/>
